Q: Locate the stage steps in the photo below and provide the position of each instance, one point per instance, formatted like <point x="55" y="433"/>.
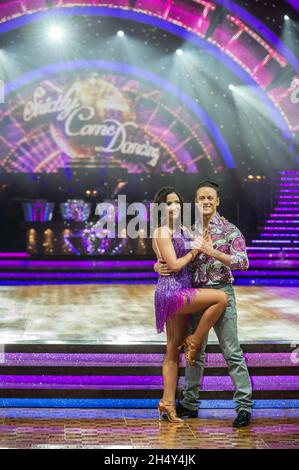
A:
<point x="125" y="372"/>
<point x="31" y="271"/>
<point x="275" y="252"/>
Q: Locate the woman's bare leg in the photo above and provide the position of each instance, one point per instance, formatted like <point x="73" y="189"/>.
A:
<point x="176" y="329"/>
<point x="214" y="302"/>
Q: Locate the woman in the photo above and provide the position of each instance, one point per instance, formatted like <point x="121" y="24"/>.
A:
<point x="175" y="298"/>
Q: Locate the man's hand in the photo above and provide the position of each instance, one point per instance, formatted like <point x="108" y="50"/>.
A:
<point x="161" y="268"/>
<point x="204" y="244"/>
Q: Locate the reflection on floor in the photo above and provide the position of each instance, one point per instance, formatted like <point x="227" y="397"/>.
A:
<point x="124" y="313"/>
<point x="52" y="428"/>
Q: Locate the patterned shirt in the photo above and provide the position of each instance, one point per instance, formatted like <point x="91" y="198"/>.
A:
<point x="227" y="238"/>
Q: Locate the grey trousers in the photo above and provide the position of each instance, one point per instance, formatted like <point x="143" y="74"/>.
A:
<point x="227" y="333"/>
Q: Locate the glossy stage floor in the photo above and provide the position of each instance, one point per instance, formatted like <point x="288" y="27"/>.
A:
<point x="121" y="313"/>
<point x="135" y="429"/>
<point x="81" y="367"/>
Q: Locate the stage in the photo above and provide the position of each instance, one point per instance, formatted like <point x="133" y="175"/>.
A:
<point x="105" y="108"/>
<point x="95" y="345"/>
<point x="140" y="429"/>
<point x="124" y="314"/>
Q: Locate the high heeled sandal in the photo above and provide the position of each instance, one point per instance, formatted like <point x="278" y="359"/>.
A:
<point x="169" y="410"/>
<point x="189" y="348"/>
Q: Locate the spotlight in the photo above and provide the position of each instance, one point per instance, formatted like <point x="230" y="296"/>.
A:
<point x="120" y="34"/>
<point x="55" y="33"/>
<point x="231" y="87"/>
<point x="286" y="18"/>
<point x="179" y="52"/>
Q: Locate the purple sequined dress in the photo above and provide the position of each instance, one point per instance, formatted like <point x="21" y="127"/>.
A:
<point x="173" y="291"/>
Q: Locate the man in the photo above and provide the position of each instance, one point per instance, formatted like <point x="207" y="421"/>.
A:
<point x="222" y="249"/>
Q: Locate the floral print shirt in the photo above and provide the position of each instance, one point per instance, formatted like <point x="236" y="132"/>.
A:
<point x="227" y="238"/>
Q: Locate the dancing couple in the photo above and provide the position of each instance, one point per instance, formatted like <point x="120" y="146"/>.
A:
<point x="194" y="293"/>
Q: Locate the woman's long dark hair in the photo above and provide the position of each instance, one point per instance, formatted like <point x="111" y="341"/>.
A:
<point x="161" y="197"/>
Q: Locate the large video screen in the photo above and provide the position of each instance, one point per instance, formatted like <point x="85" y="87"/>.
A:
<point x="94" y="119"/>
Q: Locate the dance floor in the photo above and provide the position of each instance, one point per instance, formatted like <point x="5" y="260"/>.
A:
<point x="123" y="313"/>
<point x="48" y="428"/>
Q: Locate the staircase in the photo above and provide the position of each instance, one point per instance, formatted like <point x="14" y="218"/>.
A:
<point x="129" y="375"/>
<point x="21" y="270"/>
<point x="274" y="255"/>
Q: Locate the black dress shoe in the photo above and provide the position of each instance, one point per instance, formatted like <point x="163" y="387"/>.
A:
<point x="243" y="419"/>
<point x="183" y="412"/>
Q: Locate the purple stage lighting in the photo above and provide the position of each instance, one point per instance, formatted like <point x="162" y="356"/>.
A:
<point x="75" y="210"/>
<point x="38" y="211"/>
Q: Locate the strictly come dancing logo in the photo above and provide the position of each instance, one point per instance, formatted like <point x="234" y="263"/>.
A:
<point x="93" y="117"/>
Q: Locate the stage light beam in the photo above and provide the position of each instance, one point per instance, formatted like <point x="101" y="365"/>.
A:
<point x="120" y="34"/>
<point x="286" y="18"/>
<point x="179" y="52"/>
